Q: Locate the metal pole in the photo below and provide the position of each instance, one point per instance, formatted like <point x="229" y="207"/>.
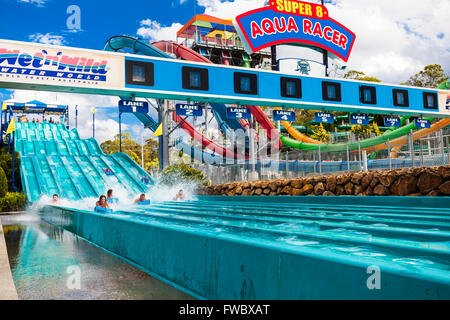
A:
<point x="448" y="151"/>
<point x="441" y="141"/>
<point x="287" y="164"/>
<point x="76" y="117"/>
<point x="314" y="162"/>
<point x="421" y="153"/>
<point x="348" y="159"/>
<point x="389" y="153"/>
<point x="411" y="145"/>
<point x="13" y="164"/>
<point x="120" y="131"/>
<point x="142" y="150"/>
<point x="320" y="161"/>
<point x="359" y="153"/>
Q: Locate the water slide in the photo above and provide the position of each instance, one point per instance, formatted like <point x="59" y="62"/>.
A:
<point x="260" y="116"/>
<point x="117" y="43"/>
<point x="219" y="110"/>
<point x="56" y="160"/>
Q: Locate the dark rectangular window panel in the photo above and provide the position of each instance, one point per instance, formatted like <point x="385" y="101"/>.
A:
<point x="291" y="87"/>
<point x="401" y="98"/>
<point x="331" y="91"/>
<point x="368" y="95"/>
<point x="430" y="100"/>
<point x="246" y="83"/>
<point x="139" y="72"/>
<point x="195" y="78"/>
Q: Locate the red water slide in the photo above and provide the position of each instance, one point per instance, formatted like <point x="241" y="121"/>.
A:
<point x="208" y="143"/>
<point x="185" y="53"/>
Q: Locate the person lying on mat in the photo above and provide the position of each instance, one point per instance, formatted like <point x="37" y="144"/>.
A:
<point x="55" y="199"/>
<point x="141" y="198"/>
<point x="180" y="195"/>
<point x="110" y="197"/>
<point x="102" y="202"/>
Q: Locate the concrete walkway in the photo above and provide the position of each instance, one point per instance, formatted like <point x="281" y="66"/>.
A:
<point x="7" y="288"/>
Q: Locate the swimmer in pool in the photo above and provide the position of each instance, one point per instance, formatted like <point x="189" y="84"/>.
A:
<point x="102" y="203"/>
<point x="141" y="198"/>
<point x="55" y="199"/>
<point x="180" y="195"/>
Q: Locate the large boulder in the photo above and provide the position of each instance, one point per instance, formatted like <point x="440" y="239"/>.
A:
<point x="404" y="185"/>
<point x="445" y="187"/>
<point x="387" y="179"/>
<point x="444" y="172"/>
<point x="380" y="190"/>
<point x="349" y="188"/>
<point x="319" y="188"/>
<point x="307" y="189"/>
<point x="428" y="181"/>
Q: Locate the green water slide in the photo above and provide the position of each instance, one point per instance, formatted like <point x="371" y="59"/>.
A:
<point x="56" y="160"/>
<point x="337" y="147"/>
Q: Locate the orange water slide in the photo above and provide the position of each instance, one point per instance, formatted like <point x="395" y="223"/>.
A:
<point x="297" y="135"/>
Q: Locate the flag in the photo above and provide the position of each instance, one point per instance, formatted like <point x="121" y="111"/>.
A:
<point x="4" y="106"/>
<point x="158" y="131"/>
<point x="11" y="126"/>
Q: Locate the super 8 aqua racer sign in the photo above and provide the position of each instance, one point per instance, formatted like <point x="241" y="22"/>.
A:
<point x="291" y="21"/>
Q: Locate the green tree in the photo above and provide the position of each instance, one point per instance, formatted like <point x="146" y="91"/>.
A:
<point x="359" y="75"/>
<point x="132" y="148"/>
<point x="320" y="134"/>
<point x="181" y="173"/>
<point x="430" y="77"/>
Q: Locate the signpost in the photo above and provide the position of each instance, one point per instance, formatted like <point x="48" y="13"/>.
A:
<point x="359" y="119"/>
<point x="323" y="117"/>
<point x="281" y="115"/>
<point x="183" y="109"/>
<point x="130" y="106"/>
<point x="292" y="21"/>
<point x="238" y="113"/>
<point x="422" y="123"/>
<point x="392" y="122"/>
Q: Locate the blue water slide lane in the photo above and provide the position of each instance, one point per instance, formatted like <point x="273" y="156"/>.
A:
<point x="56" y="160"/>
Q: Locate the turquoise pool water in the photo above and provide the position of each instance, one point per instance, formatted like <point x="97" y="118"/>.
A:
<point x="40" y="255"/>
<point x="281" y="247"/>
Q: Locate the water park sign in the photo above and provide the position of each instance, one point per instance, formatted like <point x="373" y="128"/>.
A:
<point x="292" y="21"/>
<point x="194" y="110"/>
<point x="359" y="119"/>
<point x="238" y="113"/>
<point x="43" y="64"/>
<point x="392" y="122"/>
<point x="281" y="115"/>
<point x="323" y="117"/>
<point x="130" y="106"/>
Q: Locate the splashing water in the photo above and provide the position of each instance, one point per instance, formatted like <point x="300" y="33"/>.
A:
<point x="157" y="194"/>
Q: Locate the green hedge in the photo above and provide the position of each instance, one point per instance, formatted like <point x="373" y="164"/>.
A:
<point x="13" y="201"/>
<point x="3" y="183"/>
<point x="6" y="164"/>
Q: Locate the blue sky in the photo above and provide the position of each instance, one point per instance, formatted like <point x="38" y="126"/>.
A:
<point x="395" y="39"/>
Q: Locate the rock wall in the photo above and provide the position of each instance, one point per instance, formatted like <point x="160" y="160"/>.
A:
<point x="424" y="181"/>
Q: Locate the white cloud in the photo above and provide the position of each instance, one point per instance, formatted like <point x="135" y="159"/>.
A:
<point x="394" y="39"/>
<point x="154" y="31"/>
<point x="47" y="38"/>
<point x="38" y="3"/>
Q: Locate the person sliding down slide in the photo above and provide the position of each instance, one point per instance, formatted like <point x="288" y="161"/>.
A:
<point x="102" y="205"/>
<point x="142" y="200"/>
<point x="55" y="200"/>
<point x="110" y="197"/>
